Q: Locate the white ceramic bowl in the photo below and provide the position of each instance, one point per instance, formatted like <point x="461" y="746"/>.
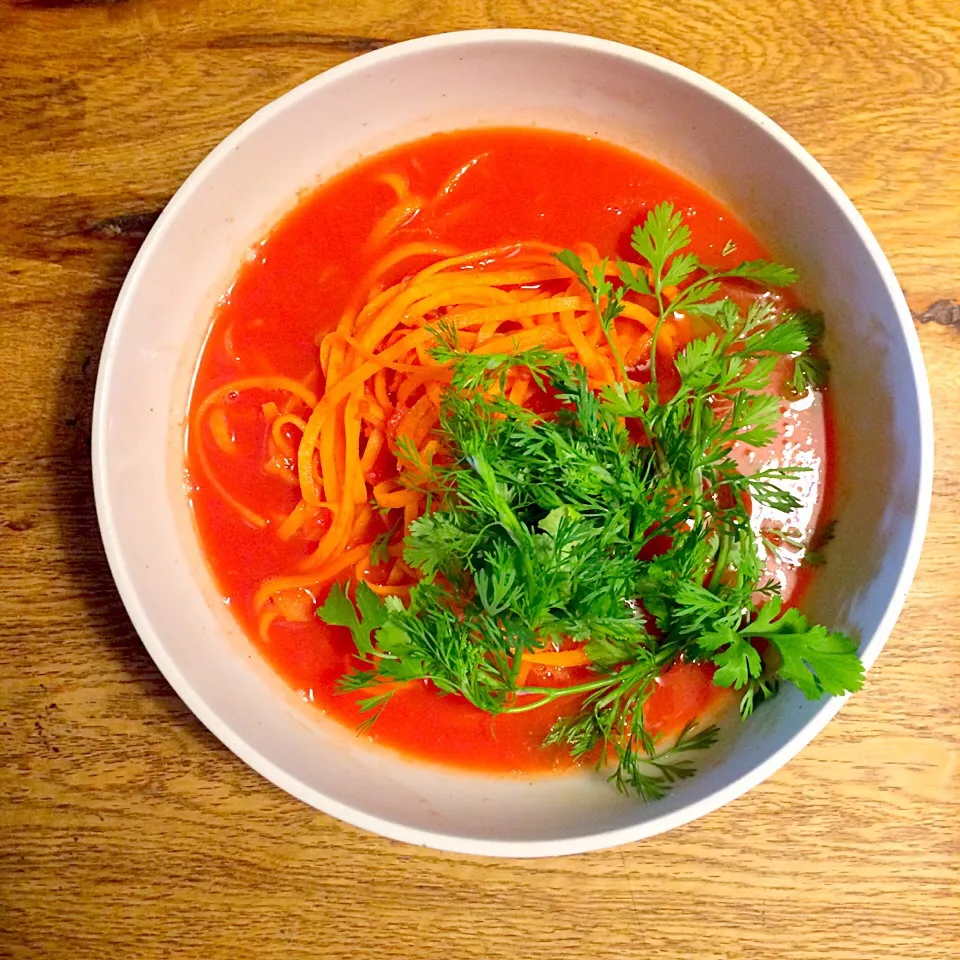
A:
<point x="509" y="77"/>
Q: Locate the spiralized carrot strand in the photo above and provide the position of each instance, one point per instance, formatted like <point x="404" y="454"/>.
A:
<point x="406" y="251"/>
<point x="380" y="390"/>
<point x="549" y="336"/>
<point x="332" y="477"/>
<point x="422" y="407"/>
<point x="516" y="252"/>
<point x="633" y="311"/>
<point x="280" y="467"/>
<point x="559" y="658"/>
<point x="637" y="347"/>
<point x="667" y="341"/>
<point x="396" y="256"/>
<point x="251" y="516"/>
<point x="361" y="524"/>
<point x="313" y="579"/>
<point x="411" y="368"/>
<point x="278" y="383"/>
<point x="220" y="428"/>
<point x="336" y="538"/>
<point x="353" y="320"/>
<point x="397" y="183"/>
<point x="264" y="622"/>
<point x="372" y="450"/>
<point x="383" y="386"/>
<point x="295" y="520"/>
<point x="494" y="278"/>
<point x="391" y="498"/>
<point x="371" y="412"/>
<point x="326" y="345"/>
<point x="276" y="430"/>
<point x="411" y="306"/>
<point x="332" y="397"/>
<point x="362" y="571"/>
<point x="403" y="212"/>
<point x="422" y="427"/>
<point x="450" y="184"/>
<point x="389" y="589"/>
<point x="571" y="324"/>
<point x="519" y="391"/>
<point x="354" y="484"/>
<point x="513" y="311"/>
<point x="411" y="510"/>
<point x="428" y="451"/>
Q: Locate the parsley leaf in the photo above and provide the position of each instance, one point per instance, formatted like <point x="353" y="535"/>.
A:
<point x="815" y="659"/>
<point x="338" y="610"/>
<point x="737" y="659"/>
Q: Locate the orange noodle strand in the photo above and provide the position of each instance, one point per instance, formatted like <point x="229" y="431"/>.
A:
<point x="355" y="447"/>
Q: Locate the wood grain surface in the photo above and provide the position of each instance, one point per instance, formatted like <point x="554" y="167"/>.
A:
<point x="127" y="830"/>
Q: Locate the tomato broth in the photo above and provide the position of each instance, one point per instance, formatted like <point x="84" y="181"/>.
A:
<point x="487" y="188"/>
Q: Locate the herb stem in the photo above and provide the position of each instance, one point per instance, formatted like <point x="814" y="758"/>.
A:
<point x="614" y="349"/>
<point x="723" y="558"/>
<point x="697" y="473"/>
<point x="549" y="694"/>
<point x="654" y="389"/>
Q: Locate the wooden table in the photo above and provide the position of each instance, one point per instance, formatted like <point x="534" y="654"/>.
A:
<point x="127" y="830"/>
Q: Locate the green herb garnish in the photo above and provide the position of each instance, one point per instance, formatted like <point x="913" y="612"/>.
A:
<point x="538" y="524"/>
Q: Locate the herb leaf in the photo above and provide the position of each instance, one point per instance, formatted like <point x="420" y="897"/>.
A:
<point x="338" y="610"/>
<point x="817" y="660"/>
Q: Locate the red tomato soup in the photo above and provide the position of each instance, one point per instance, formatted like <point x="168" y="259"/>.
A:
<point x="480" y="189"/>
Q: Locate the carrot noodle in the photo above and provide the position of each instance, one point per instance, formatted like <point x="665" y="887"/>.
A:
<point x="405" y="392"/>
<point x="633" y="311"/>
<point x="371" y="451"/>
<point x="294" y="606"/>
<point x="295" y="520"/>
<point x="450" y="184"/>
<point x="276" y="430"/>
<point x="222" y="394"/>
<point x="220" y="429"/>
<point x="401" y="213"/>
<point x="354" y="484"/>
<point x="270" y="589"/>
<point x="404" y="252"/>
<point x="268" y="384"/>
<point x="264" y="622"/>
<point x="382" y="388"/>
<point x="390" y="590"/>
<point x="411" y="510"/>
<point x="206" y="469"/>
<point x="361" y="523"/>
<point x="390" y="499"/>
<point x="558" y="658"/>
<point x="371" y="412"/>
<point x="519" y="391"/>
<point x="397" y="183"/>
<point x="281" y="468"/>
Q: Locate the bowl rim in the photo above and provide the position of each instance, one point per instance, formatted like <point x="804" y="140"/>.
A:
<point x="435" y="839"/>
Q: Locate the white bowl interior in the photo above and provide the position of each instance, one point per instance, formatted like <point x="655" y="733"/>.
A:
<point x="442" y="83"/>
